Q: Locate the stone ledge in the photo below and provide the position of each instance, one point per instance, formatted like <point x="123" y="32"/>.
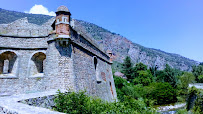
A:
<point x="10" y="104"/>
<point x="39" y="75"/>
<point x="8" y="77"/>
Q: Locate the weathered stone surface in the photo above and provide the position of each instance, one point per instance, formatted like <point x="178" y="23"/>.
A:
<point x="46" y="61"/>
<point x="22" y="27"/>
<point x="44" y="102"/>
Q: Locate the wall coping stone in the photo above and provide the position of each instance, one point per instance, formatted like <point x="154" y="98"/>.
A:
<point x="18" y="36"/>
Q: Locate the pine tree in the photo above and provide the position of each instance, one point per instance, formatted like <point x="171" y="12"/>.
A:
<point x="127" y="68"/>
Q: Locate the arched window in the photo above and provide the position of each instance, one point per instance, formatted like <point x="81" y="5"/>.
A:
<point x="37" y="64"/>
<point x="97" y="71"/>
<point x="8" y="64"/>
<point x="65" y="19"/>
<point x="95" y="62"/>
<point x="111" y="88"/>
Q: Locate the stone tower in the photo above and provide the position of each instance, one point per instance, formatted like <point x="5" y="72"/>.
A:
<point x="62" y="24"/>
<point x="59" y="52"/>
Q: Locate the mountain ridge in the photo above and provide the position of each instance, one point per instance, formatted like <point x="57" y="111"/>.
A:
<point x="119" y="45"/>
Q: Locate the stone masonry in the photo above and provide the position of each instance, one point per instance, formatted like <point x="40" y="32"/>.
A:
<point x="55" y="55"/>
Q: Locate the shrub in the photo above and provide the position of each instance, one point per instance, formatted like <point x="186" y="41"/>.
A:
<point x="80" y="103"/>
<point x="163" y="93"/>
<point x="198" y="106"/>
<point x="72" y="102"/>
<point x="119" y="82"/>
<point x="182" y="111"/>
<point x="197" y="70"/>
<point x="186" y="79"/>
<point x="200" y="78"/>
<point x="193" y="91"/>
<point x="131" y="92"/>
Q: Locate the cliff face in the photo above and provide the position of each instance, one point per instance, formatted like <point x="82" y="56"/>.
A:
<point x="119" y="45"/>
<point x="122" y="47"/>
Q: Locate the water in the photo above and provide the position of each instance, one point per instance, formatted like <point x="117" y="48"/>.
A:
<point x="169" y="112"/>
<point x="172" y="109"/>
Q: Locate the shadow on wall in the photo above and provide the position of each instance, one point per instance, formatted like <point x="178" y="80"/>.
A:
<point x="64" y="48"/>
<point x="8" y="63"/>
<point x="37" y="64"/>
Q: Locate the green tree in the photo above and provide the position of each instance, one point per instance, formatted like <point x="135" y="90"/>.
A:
<point x="144" y="77"/>
<point x="200" y="78"/>
<point x="127" y="68"/>
<point x="138" y="67"/>
<point x="169" y="75"/>
<point x="197" y="70"/>
<point x="201" y="63"/>
<point x="153" y="70"/>
<point x="186" y="79"/>
<point x="163" y="93"/>
<point x="193" y="92"/>
<point x="198" y="106"/>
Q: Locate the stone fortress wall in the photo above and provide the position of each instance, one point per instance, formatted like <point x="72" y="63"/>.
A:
<point x="22" y="27"/>
<point x="20" y="76"/>
<point x="41" y="62"/>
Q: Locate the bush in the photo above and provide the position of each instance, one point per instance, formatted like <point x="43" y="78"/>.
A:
<point x="182" y="111"/>
<point x="163" y="93"/>
<point x="119" y="82"/>
<point x="198" y="106"/>
<point x="200" y="78"/>
<point x="131" y="92"/>
<point x="80" y="103"/>
<point x="193" y="91"/>
<point x="72" y="102"/>
<point x="197" y="70"/>
<point x="186" y="79"/>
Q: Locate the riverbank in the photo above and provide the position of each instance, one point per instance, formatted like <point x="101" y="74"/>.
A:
<point x="197" y="85"/>
<point x="171" y="107"/>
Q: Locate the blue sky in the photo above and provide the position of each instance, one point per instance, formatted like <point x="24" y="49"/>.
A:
<point x="174" y="26"/>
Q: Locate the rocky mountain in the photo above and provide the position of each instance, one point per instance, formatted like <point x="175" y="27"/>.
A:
<point x="122" y="47"/>
<point x="117" y="44"/>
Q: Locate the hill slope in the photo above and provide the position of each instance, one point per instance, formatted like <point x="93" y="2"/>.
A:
<point x="7" y="16"/>
<point x="120" y="46"/>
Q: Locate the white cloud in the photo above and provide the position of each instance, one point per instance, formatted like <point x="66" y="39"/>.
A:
<point x="40" y="9"/>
